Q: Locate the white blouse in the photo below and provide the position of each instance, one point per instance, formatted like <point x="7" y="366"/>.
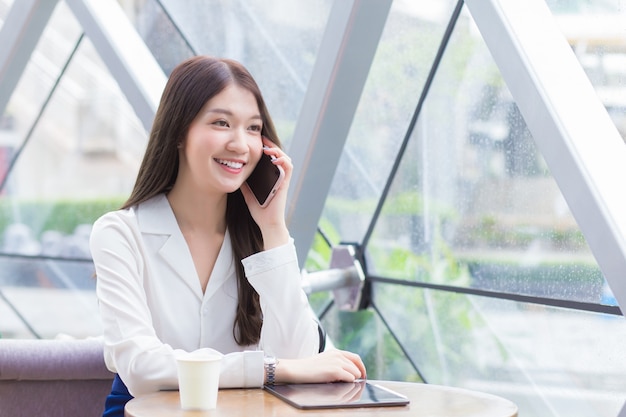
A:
<point x="152" y="305"/>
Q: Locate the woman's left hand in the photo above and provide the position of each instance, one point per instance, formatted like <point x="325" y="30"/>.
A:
<point x="332" y="365"/>
<point x="271" y="218"/>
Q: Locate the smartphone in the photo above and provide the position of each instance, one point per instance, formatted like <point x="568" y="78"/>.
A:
<point x="265" y="179"/>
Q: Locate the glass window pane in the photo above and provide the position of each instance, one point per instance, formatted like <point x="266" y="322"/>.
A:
<point x="76" y="145"/>
<point x="88" y="141"/>
<point x="41" y="298"/>
<point x="276" y="40"/>
<point x="473" y="203"/>
<point x="161" y="35"/>
<point x="404" y="57"/>
<point x="37" y="80"/>
<point x="595" y="30"/>
<point x="364" y="332"/>
<point x="549" y="361"/>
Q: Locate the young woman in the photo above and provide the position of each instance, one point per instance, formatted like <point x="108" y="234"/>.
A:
<point x="192" y="261"/>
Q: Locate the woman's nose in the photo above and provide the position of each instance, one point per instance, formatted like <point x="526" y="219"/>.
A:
<point x="238" y="141"/>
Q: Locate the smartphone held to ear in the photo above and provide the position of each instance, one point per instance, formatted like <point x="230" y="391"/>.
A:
<point x="265" y="179"/>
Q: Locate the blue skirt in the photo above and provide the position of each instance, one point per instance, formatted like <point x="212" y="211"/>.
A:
<point x="117" y="399"/>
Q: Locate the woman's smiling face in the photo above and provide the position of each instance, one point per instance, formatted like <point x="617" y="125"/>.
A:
<point x="223" y="144"/>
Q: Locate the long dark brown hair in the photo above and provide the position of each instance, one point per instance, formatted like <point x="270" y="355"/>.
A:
<point x="190" y="85"/>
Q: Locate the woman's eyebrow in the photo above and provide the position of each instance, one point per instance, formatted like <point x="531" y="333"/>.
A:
<point x="230" y="113"/>
<point x="218" y="110"/>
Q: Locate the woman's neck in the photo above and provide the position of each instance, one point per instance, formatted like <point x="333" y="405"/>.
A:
<point x="196" y="211"/>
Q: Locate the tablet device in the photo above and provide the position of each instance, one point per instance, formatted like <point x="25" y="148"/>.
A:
<point x="337" y="395"/>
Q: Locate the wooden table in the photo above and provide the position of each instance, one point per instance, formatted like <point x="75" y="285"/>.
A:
<point x="426" y="401"/>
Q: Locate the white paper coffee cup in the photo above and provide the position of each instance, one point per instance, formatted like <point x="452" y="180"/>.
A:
<point x="198" y="379"/>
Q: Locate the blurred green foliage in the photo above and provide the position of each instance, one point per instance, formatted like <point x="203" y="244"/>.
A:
<point x="59" y="214"/>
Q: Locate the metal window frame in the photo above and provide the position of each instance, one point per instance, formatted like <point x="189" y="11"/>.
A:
<point x="346" y="53"/>
<point x="19" y="36"/>
<point x="124" y="52"/>
<point x="571" y="127"/>
<point x="127" y="57"/>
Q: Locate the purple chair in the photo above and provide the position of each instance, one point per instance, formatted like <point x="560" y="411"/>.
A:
<point x="51" y="378"/>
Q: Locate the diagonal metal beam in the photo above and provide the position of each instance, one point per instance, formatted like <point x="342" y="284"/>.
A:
<point x="127" y="57"/>
<point x="18" y="151"/>
<point x="395" y="337"/>
<point x="571" y="127"/>
<point x="346" y="53"/>
<point x="19" y="36"/>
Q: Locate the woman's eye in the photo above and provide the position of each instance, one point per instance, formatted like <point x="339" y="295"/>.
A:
<point x="222" y="123"/>
<point x="256" y="128"/>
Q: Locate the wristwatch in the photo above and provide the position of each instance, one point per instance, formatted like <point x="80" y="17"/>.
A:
<point x="270" y="363"/>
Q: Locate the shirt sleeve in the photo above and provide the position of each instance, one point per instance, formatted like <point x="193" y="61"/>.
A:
<point x="131" y="347"/>
<point x="289" y="324"/>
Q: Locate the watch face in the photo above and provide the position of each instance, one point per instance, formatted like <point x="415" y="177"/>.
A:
<point x="269" y="360"/>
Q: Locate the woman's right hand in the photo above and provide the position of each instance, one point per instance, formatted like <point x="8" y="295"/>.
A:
<point x="330" y="366"/>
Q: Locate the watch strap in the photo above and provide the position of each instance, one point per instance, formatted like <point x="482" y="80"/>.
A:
<point x="270" y="369"/>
